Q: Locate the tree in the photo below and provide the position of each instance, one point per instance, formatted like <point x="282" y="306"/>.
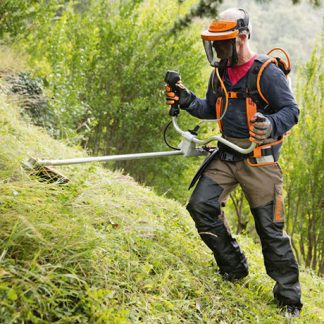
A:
<point x="209" y="8"/>
<point x="105" y="72"/>
<point x="303" y="164"/>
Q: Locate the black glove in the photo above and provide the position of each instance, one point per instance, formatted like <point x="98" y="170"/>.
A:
<point x="184" y="98"/>
<point x="260" y="128"/>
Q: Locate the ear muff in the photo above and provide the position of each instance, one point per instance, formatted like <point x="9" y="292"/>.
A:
<point x="243" y="23"/>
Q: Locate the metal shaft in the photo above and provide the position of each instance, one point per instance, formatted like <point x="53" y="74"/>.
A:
<point x="192" y="138"/>
<point x="187" y="148"/>
<point x="121" y="157"/>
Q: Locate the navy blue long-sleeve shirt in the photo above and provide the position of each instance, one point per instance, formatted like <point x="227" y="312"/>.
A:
<point x="282" y="110"/>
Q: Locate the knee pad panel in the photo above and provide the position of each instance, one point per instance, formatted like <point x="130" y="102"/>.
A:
<point x="204" y="206"/>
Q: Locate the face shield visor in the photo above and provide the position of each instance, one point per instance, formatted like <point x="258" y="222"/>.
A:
<point x="210" y="52"/>
<point x="219" y="40"/>
<point x="219" y="50"/>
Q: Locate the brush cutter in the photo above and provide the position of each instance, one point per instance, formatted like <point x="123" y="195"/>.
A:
<point x="190" y="145"/>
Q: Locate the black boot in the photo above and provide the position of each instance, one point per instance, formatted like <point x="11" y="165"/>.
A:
<point x="233" y="276"/>
<point x="290" y="311"/>
<point x="278" y="256"/>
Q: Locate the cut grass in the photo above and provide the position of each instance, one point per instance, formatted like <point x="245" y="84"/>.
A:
<point x="105" y="249"/>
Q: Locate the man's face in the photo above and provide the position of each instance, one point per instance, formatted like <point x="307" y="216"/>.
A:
<point x="224" y="48"/>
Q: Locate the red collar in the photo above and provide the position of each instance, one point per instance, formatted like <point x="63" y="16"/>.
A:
<point x="237" y="72"/>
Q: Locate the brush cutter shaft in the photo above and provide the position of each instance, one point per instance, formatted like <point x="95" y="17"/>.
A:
<point x="107" y="158"/>
<point x="190" y="137"/>
<point x="187" y="148"/>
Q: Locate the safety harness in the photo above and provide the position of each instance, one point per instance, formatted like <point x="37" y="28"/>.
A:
<point x="264" y="154"/>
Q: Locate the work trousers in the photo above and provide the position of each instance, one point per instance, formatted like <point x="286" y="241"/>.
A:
<point x="262" y="186"/>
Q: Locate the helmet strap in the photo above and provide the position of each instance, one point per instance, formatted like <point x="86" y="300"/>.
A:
<point x="234" y="59"/>
<point x="222" y="65"/>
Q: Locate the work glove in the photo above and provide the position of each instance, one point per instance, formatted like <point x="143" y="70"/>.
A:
<point x="260" y="128"/>
<point x="184" y="97"/>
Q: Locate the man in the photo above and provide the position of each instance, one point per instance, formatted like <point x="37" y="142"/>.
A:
<point x="245" y="113"/>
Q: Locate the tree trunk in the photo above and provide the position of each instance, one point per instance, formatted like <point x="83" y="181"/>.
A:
<point x="238" y="205"/>
<point x="302" y="246"/>
<point x="309" y="242"/>
<point x="296" y="251"/>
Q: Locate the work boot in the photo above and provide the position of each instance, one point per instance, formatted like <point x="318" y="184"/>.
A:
<point x="290" y="311"/>
<point x="233" y="276"/>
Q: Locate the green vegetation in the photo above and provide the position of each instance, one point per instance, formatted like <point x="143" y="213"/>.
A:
<point x="104" y="249"/>
<point x="104" y="66"/>
<point x="102" y="63"/>
<point x="303" y="161"/>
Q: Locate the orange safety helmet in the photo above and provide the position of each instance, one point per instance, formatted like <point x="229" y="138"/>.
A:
<point x="224" y="30"/>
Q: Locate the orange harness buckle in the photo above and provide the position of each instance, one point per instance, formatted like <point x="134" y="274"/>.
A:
<point x="232" y="94"/>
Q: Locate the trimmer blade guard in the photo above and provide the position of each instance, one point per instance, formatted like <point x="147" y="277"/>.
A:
<point x="45" y="173"/>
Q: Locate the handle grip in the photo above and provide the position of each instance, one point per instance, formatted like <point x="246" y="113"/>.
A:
<point x="171" y="78"/>
<point x="260" y="119"/>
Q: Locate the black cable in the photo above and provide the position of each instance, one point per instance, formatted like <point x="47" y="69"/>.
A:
<point x="165" y="139"/>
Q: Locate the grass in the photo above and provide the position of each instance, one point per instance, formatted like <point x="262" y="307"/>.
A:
<point x="11" y="60"/>
<point x="103" y="249"/>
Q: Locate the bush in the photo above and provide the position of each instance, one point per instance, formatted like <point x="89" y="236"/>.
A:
<point x="105" y="68"/>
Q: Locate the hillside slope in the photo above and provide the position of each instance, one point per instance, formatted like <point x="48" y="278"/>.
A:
<point x="103" y="249"/>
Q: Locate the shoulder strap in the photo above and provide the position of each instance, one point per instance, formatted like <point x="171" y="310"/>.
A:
<point x="285" y="67"/>
<point x="263" y="66"/>
<point x="253" y="90"/>
<point x="255" y="74"/>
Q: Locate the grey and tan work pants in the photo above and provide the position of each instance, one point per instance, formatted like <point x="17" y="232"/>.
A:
<point x="262" y="186"/>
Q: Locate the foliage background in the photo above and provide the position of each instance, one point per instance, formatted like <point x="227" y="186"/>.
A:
<point x="103" y="249"/>
<point x="101" y="65"/>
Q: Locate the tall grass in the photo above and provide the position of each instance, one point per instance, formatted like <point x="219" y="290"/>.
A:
<point x="103" y="249"/>
<point x="11" y="60"/>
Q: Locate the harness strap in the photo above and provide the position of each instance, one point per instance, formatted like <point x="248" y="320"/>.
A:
<point x="263" y="66"/>
<point x="261" y="152"/>
<point x="258" y="152"/>
<point x="251" y="109"/>
<point x="232" y="94"/>
<point x="237" y="95"/>
<point x="219" y="104"/>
